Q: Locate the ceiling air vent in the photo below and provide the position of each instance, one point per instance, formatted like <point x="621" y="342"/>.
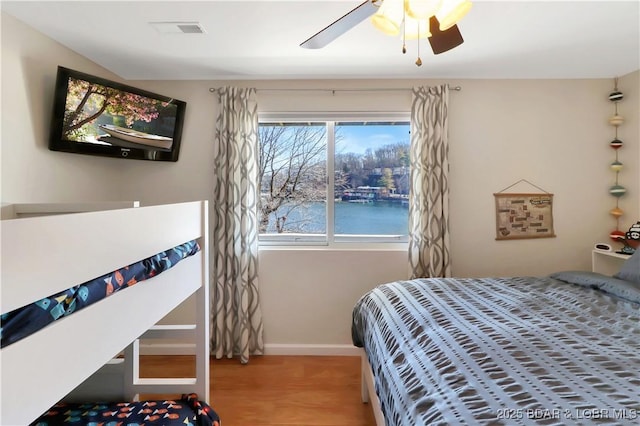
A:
<point x="178" y="27"/>
<point x="191" y="28"/>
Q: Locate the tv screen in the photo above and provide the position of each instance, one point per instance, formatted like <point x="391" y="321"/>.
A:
<point x="95" y="116"/>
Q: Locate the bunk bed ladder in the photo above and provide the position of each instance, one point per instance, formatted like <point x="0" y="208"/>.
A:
<point x="134" y="385"/>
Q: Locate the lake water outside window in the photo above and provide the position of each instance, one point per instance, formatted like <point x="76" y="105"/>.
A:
<point x="334" y="181"/>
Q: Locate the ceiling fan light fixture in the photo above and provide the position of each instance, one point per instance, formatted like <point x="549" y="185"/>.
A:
<point x="422" y="9"/>
<point x="451" y="12"/>
<point x="394" y="17"/>
<point x="385" y="25"/>
<point x="389" y="16"/>
<point x="416" y="28"/>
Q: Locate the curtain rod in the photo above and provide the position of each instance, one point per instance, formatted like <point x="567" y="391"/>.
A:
<point x="455" y="88"/>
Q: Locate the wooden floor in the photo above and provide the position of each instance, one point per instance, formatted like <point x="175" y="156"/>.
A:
<point x="277" y="390"/>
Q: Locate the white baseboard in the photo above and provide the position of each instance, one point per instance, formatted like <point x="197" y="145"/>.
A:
<point x="269" y="349"/>
<point x="310" y="349"/>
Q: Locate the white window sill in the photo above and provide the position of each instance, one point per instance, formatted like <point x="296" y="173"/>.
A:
<point x="351" y="246"/>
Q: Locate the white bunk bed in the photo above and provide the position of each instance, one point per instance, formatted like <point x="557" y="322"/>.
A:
<point x="38" y="257"/>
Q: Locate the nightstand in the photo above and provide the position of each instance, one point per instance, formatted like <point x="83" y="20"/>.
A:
<point x="607" y="262"/>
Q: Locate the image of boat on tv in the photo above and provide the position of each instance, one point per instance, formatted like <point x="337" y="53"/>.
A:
<point x="110" y="134"/>
<point x="130" y="138"/>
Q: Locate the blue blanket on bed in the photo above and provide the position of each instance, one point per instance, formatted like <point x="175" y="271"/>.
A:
<point x="504" y="351"/>
<point x="22" y="322"/>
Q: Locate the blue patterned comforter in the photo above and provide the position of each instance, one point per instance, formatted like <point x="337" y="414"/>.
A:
<point x="504" y="351"/>
<point x="22" y="322"/>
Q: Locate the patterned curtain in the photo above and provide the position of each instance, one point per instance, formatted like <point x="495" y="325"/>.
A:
<point x="429" y="191"/>
<point x="236" y="319"/>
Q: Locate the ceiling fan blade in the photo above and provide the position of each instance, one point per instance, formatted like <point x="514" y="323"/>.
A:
<point x="441" y="41"/>
<point x="340" y="26"/>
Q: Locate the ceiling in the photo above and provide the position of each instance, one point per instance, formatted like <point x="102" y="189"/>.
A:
<point x="260" y="39"/>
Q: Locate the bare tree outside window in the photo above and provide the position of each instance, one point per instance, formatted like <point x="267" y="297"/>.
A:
<point x="293" y="170"/>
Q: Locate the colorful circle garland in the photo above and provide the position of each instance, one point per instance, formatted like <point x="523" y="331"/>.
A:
<point x="616" y="190"/>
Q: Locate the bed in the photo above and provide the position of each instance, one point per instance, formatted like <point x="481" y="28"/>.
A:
<point x="555" y="350"/>
<point x="51" y="249"/>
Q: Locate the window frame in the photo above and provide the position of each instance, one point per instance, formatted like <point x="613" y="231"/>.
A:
<point x="330" y="239"/>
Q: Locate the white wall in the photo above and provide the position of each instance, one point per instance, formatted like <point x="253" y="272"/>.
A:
<point x="554" y="133"/>
<point x="307" y="295"/>
<point x="629" y="132"/>
<point x="30" y="172"/>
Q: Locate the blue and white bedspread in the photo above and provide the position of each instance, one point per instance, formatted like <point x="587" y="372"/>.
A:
<point x="553" y="350"/>
<point x="22" y="322"/>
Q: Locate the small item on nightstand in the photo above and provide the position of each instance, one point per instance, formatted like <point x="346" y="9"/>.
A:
<point x="603" y="247"/>
<point x="626" y="250"/>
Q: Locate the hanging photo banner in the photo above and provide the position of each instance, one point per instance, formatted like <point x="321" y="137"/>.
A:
<point x="524" y="216"/>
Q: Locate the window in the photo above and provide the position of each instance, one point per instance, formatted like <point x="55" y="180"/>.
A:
<point x="328" y="181"/>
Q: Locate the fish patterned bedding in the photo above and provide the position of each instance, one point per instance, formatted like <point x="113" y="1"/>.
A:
<point x="557" y="350"/>
<point x="22" y="322"/>
<point x="188" y="411"/>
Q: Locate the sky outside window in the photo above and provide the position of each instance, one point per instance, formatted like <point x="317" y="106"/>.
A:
<point x="358" y="137"/>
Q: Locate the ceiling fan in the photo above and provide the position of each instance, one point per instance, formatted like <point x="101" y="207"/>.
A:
<point x="432" y="19"/>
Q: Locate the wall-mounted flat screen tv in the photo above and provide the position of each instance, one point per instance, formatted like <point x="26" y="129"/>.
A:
<point x="95" y="116"/>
